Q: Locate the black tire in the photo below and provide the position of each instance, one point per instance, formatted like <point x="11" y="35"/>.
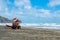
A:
<point x="13" y="27"/>
<point x="19" y="27"/>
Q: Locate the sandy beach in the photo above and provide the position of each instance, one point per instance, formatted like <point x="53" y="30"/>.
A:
<point x="29" y="34"/>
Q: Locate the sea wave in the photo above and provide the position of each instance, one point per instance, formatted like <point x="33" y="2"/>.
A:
<point x="34" y="25"/>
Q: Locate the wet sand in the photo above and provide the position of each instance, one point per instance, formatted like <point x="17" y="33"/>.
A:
<point x="29" y="34"/>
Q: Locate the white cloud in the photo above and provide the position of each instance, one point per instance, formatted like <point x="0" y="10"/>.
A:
<point x="43" y="13"/>
<point x="28" y="7"/>
<point x="2" y="5"/>
<point x="23" y="3"/>
<point x="57" y="13"/>
<point x="30" y="11"/>
<point x="53" y="3"/>
<point x="24" y="10"/>
<point x="19" y="3"/>
<point x="3" y="8"/>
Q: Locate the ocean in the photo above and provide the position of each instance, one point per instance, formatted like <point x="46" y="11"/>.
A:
<point x="34" y="25"/>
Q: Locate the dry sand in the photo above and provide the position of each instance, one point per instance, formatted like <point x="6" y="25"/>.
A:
<point x="29" y="34"/>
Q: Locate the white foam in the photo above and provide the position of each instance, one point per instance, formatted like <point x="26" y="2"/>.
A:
<point x="45" y="25"/>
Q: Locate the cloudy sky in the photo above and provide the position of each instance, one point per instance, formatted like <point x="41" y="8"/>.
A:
<point x="31" y="11"/>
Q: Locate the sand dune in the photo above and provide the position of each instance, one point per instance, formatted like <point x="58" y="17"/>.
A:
<point x="29" y="34"/>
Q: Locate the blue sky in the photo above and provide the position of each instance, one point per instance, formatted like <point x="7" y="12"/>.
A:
<point x="31" y="11"/>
